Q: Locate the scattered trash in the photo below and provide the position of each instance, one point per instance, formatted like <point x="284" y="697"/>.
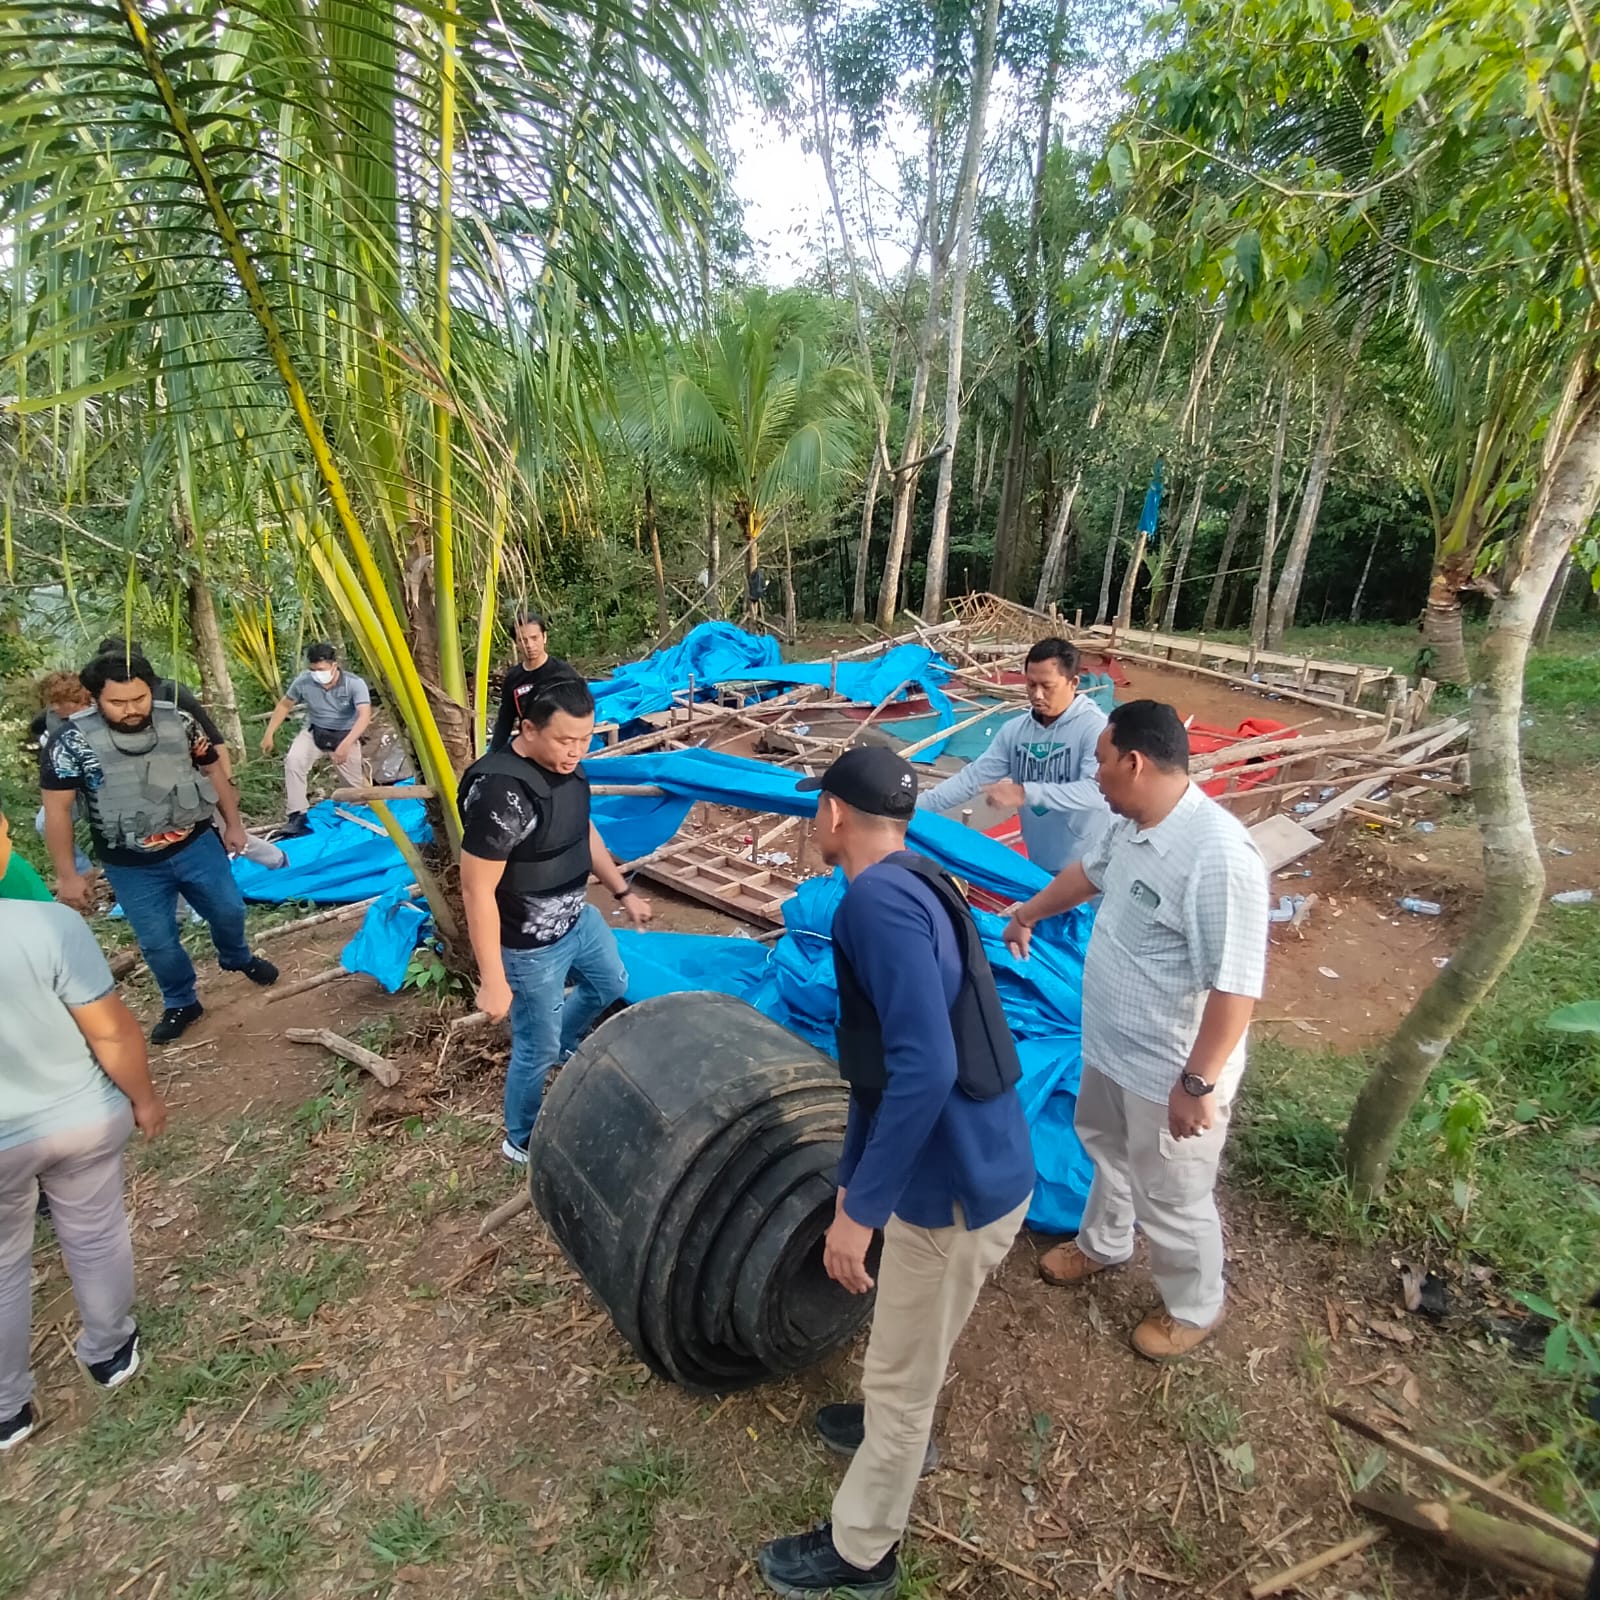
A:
<point x="1572" y="897"/>
<point x="1286" y="908"/>
<point x="775" y="858"/>
<point x="1559" y="849"/>
<point x="1441" y="962"/>
<point x="1426" y="1293"/>
<point x="1328" y="793"/>
<point x="1327" y="972"/>
<point x="1305" y="807"/>
<point x="1421" y="908"/>
<point x="1299" y="872"/>
<point x="1425" y="827"/>
<point x="801" y="728"/>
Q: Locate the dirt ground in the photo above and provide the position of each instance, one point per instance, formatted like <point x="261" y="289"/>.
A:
<point x="349" y="1393"/>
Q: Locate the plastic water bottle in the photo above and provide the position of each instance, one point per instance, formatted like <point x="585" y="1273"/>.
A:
<point x="1421" y="908"/>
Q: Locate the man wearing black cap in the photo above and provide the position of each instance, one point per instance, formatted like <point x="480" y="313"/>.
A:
<point x="936" y="1154"/>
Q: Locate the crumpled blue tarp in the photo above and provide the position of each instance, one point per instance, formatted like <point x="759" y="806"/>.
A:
<point x="718" y="652"/>
<point x="338" y="861"/>
<point x="794" y="985"/>
<point x="388" y="936"/>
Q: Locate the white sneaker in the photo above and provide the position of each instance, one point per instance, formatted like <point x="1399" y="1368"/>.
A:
<point x="514" y="1152"/>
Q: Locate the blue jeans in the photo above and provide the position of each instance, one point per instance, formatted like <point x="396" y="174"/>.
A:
<point x="148" y="896"/>
<point x="546" y="1021"/>
<point x="81" y="864"/>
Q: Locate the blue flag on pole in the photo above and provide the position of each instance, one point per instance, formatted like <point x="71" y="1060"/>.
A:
<point x="1152" y="508"/>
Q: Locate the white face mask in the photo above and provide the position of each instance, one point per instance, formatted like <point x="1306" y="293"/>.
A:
<point x="323" y="675"/>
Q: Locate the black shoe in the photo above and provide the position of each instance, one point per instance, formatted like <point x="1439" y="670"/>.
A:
<point x="842" y="1429"/>
<point x="261" y="972"/>
<point x="174" y="1021"/>
<point x="117" y="1369"/>
<point x="42" y="1209"/>
<point x="15" y="1429"/>
<point x="807" y="1565"/>
<point x="295" y="826"/>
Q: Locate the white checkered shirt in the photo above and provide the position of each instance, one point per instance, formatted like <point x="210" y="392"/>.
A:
<point x="1184" y="912"/>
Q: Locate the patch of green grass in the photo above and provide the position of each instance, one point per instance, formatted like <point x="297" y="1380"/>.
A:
<point x="408" y="1536"/>
<point x="307" y="1405"/>
<point x="301" y="1291"/>
<point x="1203" y="1416"/>
<point x="1534" y="1205"/>
<point x="137" y="1423"/>
<point x="1185" y="1551"/>
<point x="618" y="1526"/>
<point x="23" y="1556"/>
<point x="275" y="1532"/>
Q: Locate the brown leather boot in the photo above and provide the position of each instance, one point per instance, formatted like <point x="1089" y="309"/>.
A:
<point x="1066" y="1266"/>
<point x="1160" y="1338"/>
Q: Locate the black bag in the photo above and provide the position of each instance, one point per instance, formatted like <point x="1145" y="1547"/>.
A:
<point x="328" y="739"/>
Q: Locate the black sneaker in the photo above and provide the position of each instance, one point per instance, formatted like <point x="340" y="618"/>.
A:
<point x="174" y="1021"/>
<point x="842" y="1429"/>
<point x="261" y="972"/>
<point x="295" y="826"/>
<point x="15" y="1429"/>
<point x="116" y="1370"/>
<point x="806" y="1565"/>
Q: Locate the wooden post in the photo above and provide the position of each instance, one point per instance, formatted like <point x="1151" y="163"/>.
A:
<point x="1250" y="664"/>
<point x="688" y="715"/>
<point x="1305" y="673"/>
<point x="1077" y="620"/>
<point x="966" y="817"/>
<point x="1199" y="651"/>
<point x="833" y="676"/>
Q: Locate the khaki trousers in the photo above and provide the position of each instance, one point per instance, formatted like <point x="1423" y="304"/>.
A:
<point x="302" y="757"/>
<point x="928" y="1283"/>
<point x="1142" y="1174"/>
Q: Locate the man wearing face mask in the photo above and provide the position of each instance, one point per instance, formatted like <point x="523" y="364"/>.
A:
<point x="338" y="708"/>
<point x="139" y="765"/>
<point x="1042" y="764"/>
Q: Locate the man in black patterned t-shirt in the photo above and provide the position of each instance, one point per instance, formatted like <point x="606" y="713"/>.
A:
<point x="527" y="850"/>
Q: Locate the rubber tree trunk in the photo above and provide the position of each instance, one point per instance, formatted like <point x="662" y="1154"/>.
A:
<point x="933" y="589"/>
<point x="653" y="533"/>
<point x="1130" y="582"/>
<point x="1003" y="574"/>
<point x="1103" y="606"/>
<point x="906" y="475"/>
<point x="1552" y="606"/>
<point x="1230" y="543"/>
<point x="1180" y="560"/>
<point x="1261" y="609"/>
<point x="1513" y="874"/>
<point x="1050" y="569"/>
<point x="713" y="543"/>
<point x="1441" y="629"/>
<point x="1366" y="570"/>
<point x="216" y="681"/>
<point x="1281" y="617"/>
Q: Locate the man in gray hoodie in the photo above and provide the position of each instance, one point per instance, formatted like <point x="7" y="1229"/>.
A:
<point x="1041" y="764"/>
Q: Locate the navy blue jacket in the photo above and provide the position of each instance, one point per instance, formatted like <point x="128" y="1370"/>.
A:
<point x="928" y="1146"/>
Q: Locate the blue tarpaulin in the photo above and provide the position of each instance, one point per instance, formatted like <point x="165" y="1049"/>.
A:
<point x="388" y="936"/>
<point x="339" y="860"/>
<point x="718" y="652"/>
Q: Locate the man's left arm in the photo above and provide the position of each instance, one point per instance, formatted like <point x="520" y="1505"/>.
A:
<point x="204" y="754"/>
<point x="1227" y="918"/>
<point x="610" y="875"/>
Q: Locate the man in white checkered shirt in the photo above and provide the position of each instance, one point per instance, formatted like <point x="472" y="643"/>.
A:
<point x="1175" y="966"/>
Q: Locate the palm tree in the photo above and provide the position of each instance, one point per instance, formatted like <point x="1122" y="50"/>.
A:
<point x="364" y="257"/>
<point x="758" y="414"/>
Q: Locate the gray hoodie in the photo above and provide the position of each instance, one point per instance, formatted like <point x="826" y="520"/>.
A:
<point x="1055" y="764"/>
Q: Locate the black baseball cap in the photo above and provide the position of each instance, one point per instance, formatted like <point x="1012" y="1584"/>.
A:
<point x="871" y="779"/>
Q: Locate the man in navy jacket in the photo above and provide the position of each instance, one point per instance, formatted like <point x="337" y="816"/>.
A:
<point x="936" y="1154"/>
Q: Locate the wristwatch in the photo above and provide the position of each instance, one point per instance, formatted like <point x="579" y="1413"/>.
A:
<point x="1194" y="1084"/>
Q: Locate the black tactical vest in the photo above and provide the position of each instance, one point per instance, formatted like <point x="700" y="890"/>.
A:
<point x="561" y="853"/>
<point x="986" y="1054"/>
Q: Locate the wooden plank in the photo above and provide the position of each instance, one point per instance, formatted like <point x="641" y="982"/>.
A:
<point x="1281" y="839"/>
<point x="1491" y="1494"/>
<point x="1416" y="756"/>
<point x="381" y="1068"/>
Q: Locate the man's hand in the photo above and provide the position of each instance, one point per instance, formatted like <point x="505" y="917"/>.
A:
<point x="639" y="910"/>
<point x="72" y="889"/>
<point x="266" y="743"/>
<point x="1007" y="794"/>
<point x="343" y="750"/>
<point x="494" y="998"/>
<point x="234" y="839"/>
<point x="1018" y="936"/>
<point x="1189" y="1115"/>
<point x="150" y="1116"/>
<point x="844" y="1252"/>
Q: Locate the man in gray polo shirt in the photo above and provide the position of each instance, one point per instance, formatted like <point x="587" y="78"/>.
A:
<point x="338" y="708"/>
<point x="1174" y="968"/>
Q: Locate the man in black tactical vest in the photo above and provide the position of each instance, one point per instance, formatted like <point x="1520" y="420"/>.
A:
<point x="139" y="764"/>
<point x="936" y="1154"/>
<point x="527" y="850"/>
